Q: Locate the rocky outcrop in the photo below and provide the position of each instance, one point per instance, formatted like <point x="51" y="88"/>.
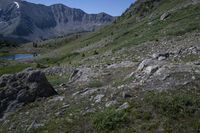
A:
<point x="159" y="72"/>
<point x="23" y="88"/>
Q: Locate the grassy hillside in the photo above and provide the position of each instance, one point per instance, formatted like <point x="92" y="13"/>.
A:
<point x="139" y="24"/>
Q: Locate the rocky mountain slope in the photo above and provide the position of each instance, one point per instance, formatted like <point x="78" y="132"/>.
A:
<point x="139" y="74"/>
<point x="28" y="21"/>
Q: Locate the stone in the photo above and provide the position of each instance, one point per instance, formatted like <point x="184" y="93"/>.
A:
<point x="34" y="125"/>
<point x="164" y="16"/>
<point x="98" y="98"/>
<point x="126" y="95"/>
<point x="110" y="103"/>
<point x="151" y="69"/>
<point x="57" y="98"/>
<point x="23" y="88"/>
<point x="81" y="75"/>
<point x="144" y="64"/>
<point x="62" y="85"/>
<point x="124" y="106"/>
<point x="87" y="92"/>
<point x="160" y="56"/>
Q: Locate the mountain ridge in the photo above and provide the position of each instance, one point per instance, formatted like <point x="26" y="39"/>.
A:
<point x="20" y="19"/>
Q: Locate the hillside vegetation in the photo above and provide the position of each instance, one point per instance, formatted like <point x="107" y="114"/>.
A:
<point x="129" y="30"/>
<point x="139" y="74"/>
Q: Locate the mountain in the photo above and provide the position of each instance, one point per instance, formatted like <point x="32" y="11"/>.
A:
<point x="23" y="20"/>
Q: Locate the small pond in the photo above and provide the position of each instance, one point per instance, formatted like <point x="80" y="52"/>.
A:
<point x="17" y="56"/>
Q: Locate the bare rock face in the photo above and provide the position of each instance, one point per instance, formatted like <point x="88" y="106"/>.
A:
<point x="23" y="88"/>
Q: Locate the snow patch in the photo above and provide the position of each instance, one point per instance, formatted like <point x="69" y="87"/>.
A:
<point x="17" y="4"/>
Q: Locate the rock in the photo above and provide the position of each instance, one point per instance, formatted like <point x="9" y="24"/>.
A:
<point x="57" y="70"/>
<point x="87" y="92"/>
<point x="34" y="125"/>
<point x="62" y="85"/>
<point x="196" y="63"/>
<point x="172" y="76"/>
<point x="110" y="103"/>
<point x="98" y="98"/>
<point x="164" y="16"/>
<point x="81" y="75"/>
<point x="126" y="95"/>
<point x="57" y="98"/>
<point x="31" y="126"/>
<point x="88" y="111"/>
<point x="151" y="69"/>
<point x="144" y="64"/>
<point x="22" y="88"/>
<point x="160" y="56"/>
<point x="65" y="106"/>
<point x="124" y="106"/>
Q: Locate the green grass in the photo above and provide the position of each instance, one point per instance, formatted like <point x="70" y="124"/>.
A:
<point x="13" y="67"/>
<point x="174" y="105"/>
<point x="109" y="120"/>
<point x="56" y="80"/>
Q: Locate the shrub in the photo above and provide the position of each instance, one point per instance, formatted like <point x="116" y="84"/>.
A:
<point x="174" y="104"/>
<point x="109" y="119"/>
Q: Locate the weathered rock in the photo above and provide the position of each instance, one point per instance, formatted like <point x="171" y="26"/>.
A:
<point x="161" y="56"/>
<point x="34" y="125"/>
<point x="22" y="88"/>
<point x="57" y="98"/>
<point x="164" y="16"/>
<point x="82" y="75"/>
<point x="144" y="64"/>
<point x="110" y="103"/>
<point x="126" y="95"/>
<point x="124" y="106"/>
<point x="98" y="98"/>
<point x="151" y="69"/>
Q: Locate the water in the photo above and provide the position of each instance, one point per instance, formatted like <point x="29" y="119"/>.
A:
<point x="17" y="56"/>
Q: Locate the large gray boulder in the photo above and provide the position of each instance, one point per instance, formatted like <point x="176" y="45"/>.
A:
<point x="22" y="88"/>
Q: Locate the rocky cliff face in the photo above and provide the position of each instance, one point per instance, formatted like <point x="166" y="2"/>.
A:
<point x="21" y="19"/>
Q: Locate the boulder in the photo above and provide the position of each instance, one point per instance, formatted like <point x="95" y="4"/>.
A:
<point x="22" y="88"/>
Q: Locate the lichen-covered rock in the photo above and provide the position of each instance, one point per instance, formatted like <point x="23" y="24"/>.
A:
<point x="22" y="88"/>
